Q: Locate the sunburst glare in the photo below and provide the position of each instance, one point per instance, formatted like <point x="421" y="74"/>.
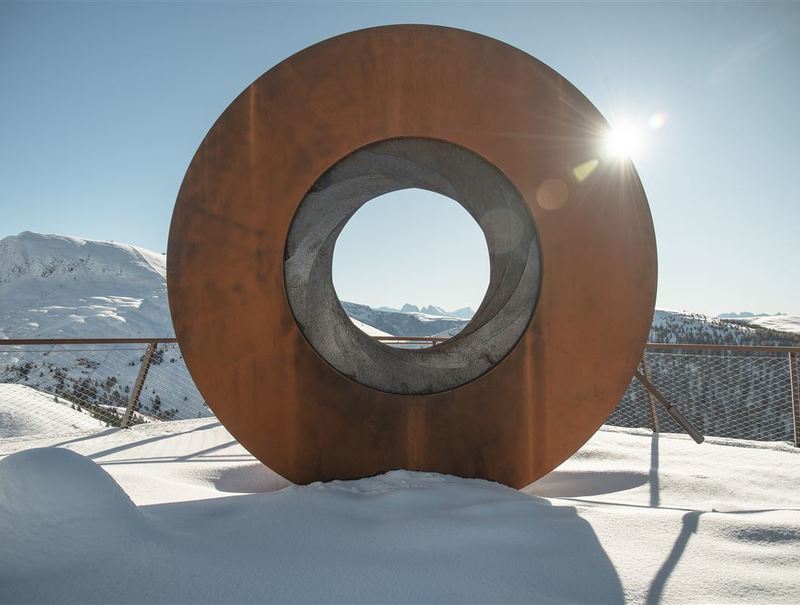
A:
<point x="622" y="141"/>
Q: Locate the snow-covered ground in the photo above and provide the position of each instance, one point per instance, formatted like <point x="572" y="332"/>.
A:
<point x="179" y="512"/>
<point x="25" y="411"/>
<point x="367" y="329"/>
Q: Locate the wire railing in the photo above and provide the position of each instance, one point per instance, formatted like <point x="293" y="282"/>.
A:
<point x="415" y="342"/>
<point x="62" y="385"/>
<point x="59" y="386"/>
<point x="741" y="392"/>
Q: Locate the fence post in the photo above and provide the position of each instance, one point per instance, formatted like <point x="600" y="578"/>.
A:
<point x="671" y="409"/>
<point x="650" y="403"/>
<point x="137" y="386"/>
<point x="795" y="388"/>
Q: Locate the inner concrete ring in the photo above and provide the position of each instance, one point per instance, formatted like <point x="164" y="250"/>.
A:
<point x="514" y="256"/>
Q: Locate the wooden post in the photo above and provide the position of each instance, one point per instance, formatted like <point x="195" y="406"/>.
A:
<point x="650" y="403"/>
<point x="795" y="388"/>
<point x="671" y="409"/>
<point x="139" y="384"/>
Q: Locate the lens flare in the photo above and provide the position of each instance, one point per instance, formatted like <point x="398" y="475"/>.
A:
<point x="622" y="141"/>
<point x="583" y="171"/>
<point x="657" y="120"/>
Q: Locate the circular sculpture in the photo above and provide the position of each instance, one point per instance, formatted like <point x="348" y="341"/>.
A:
<point x="572" y="261"/>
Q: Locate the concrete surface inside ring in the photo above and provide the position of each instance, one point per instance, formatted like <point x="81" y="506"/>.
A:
<point x="447" y="169"/>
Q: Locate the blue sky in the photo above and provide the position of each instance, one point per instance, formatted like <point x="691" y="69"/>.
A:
<point x="444" y="263"/>
<point x="103" y="105"/>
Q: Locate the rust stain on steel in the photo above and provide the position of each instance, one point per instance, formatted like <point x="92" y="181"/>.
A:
<point x="225" y="272"/>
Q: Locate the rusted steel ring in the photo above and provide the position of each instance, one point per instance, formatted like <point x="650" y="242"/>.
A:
<point x="261" y="331"/>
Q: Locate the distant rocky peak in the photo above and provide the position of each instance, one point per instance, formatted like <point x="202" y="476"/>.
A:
<point x="744" y="315"/>
<point x="464" y="313"/>
<point x="433" y="310"/>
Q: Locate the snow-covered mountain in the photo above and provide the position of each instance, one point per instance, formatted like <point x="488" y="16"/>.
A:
<point x="741" y="315"/>
<point x="431" y="310"/>
<point x="778" y="321"/>
<point x="434" y="310"/>
<point x="68" y="287"/>
<point x="668" y="326"/>
<point x="463" y="312"/>
<point x="55" y="286"/>
<point x="784" y="323"/>
<point x="683" y="327"/>
<point x="399" y="323"/>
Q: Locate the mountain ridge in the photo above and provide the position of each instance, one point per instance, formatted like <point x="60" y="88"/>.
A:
<point x="433" y="310"/>
<point x="67" y="287"/>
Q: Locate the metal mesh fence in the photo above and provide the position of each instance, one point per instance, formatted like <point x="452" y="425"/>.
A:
<point x="52" y="389"/>
<point x="56" y="389"/>
<point x="722" y="393"/>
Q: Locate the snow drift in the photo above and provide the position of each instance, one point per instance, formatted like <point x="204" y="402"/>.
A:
<point x="631" y="517"/>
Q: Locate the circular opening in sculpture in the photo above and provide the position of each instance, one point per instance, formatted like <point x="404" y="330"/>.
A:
<point x="514" y="264"/>
<point x="410" y="268"/>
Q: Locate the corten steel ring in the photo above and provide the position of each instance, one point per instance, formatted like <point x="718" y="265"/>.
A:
<point x="572" y="249"/>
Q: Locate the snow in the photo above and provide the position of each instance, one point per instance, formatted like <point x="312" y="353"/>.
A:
<point x="431" y="310"/>
<point x="431" y="317"/>
<point x="784" y="323"/>
<point x="447" y="333"/>
<point x="401" y="323"/>
<point x="24" y="412"/>
<point x="70" y="287"/>
<point x="179" y="512"/>
<point x="52" y="493"/>
<point x="670" y="326"/>
<point x="368" y="329"/>
<point x="55" y="286"/>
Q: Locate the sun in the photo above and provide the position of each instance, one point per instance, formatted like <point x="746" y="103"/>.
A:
<point x="623" y="141"/>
